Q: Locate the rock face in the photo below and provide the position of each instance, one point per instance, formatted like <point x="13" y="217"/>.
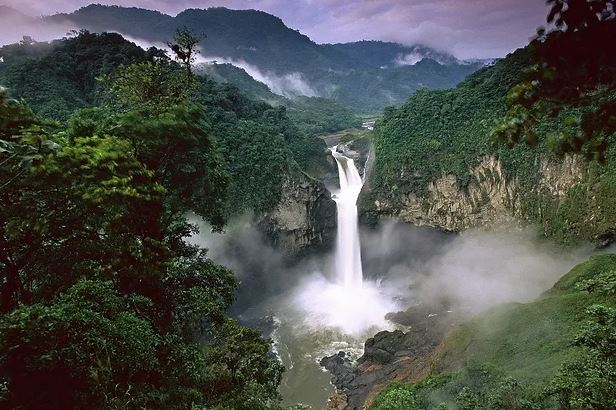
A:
<point x="304" y="219"/>
<point x="490" y="198"/>
<point x="390" y="356"/>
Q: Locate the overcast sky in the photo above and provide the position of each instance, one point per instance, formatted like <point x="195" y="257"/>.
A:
<point x="466" y="28"/>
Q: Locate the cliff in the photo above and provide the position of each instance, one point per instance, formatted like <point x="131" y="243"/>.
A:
<point x="304" y="219"/>
<point x="491" y="197"/>
<point x="437" y="163"/>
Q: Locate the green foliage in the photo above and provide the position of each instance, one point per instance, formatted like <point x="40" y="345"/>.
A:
<point x="439" y="133"/>
<point x="103" y="303"/>
<point x="320" y="115"/>
<point x="145" y="92"/>
<point x="397" y="396"/>
<point x="573" y="67"/>
<point x="564" y="361"/>
<point x="589" y="380"/>
<point x="242" y="371"/>
<point x="151" y="87"/>
<point x="595" y="272"/>
<point x="87" y="349"/>
<point x="200" y="291"/>
<point x="467" y="400"/>
<point x="58" y="77"/>
<point x="446" y="132"/>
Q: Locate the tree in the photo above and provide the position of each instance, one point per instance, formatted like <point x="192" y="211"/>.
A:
<point x="148" y="105"/>
<point x="150" y="87"/>
<point x="574" y="76"/>
<point x="397" y="396"/>
<point x="103" y="303"/>
<point x="86" y="350"/>
<point x="242" y="371"/>
<point x="184" y="47"/>
<point x="589" y="380"/>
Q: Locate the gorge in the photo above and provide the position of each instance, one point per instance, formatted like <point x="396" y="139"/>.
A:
<point x="208" y="209"/>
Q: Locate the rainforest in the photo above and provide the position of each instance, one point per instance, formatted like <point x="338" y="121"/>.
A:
<point x="308" y="205"/>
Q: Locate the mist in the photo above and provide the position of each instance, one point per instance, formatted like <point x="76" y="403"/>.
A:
<point x="404" y="266"/>
<point x="288" y="85"/>
<point x="14" y="26"/>
<point x="473" y="270"/>
<point x="410" y="274"/>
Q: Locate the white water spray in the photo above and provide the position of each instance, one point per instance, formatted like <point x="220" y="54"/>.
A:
<point x="348" y="254"/>
<point x="349" y="304"/>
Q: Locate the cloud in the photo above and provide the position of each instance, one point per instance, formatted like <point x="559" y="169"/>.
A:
<point x="468" y="29"/>
<point x="289" y="85"/>
<point x="13" y="26"/>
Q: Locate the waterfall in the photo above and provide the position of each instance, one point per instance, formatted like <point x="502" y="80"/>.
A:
<point x="348" y="271"/>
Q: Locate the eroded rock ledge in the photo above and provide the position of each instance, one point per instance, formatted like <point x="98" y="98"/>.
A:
<point x="304" y="219"/>
<point x="491" y="197"/>
<point x="390" y="356"/>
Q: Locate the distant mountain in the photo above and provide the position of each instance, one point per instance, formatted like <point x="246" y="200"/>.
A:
<point x="366" y="75"/>
<point x="255" y="37"/>
<point x="380" y="54"/>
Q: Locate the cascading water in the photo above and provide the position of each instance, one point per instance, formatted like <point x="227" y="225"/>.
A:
<point x="347" y="304"/>
<point x="348" y="269"/>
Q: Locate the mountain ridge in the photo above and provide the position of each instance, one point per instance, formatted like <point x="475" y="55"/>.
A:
<point x="366" y="76"/>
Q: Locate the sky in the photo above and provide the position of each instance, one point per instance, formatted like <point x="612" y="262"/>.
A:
<point x="465" y="28"/>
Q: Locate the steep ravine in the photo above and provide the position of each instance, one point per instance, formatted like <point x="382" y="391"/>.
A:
<point x="304" y="220"/>
<point x="490" y="199"/>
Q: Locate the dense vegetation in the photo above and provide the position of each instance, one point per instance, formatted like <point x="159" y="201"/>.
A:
<point x="572" y="68"/>
<point x="60" y="77"/>
<point x="365" y="76"/>
<point x="565" y="360"/>
<point x="104" y="305"/>
<point x="312" y="115"/>
<point x="559" y="351"/>
<point x="379" y="54"/>
<point x="447" y="132"/>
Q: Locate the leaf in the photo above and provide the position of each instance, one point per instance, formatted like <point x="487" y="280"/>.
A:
<point x="6" y="146"/>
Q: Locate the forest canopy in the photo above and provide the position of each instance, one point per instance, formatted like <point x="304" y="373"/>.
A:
<point x="130" y="315"/>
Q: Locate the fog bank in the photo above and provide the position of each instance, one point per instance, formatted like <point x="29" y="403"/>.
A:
<point x="404" y="266"/>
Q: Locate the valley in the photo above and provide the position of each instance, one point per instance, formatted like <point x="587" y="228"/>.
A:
<point x="208" y="209"/>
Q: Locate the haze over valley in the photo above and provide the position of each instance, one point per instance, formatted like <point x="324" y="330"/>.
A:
<point x="274" y="205"/>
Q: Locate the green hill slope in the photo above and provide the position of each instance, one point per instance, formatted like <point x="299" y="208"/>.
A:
<point x="511" y="352"/>
<point x="58" y="78"/>
<point x="448" y="133"/>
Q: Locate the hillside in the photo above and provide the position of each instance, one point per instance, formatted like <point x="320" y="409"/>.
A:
<point x="438" y="164"/>
<point x="366" y="76"/>
<point x="313" y="115"/>
<point x="58" y="78"/>
<point x="381" y="54"/>
<point x="496" y="360"/>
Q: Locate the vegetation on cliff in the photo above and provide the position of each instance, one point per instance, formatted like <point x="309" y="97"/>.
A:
<point x="564" y="360"/>
<point x="438" y="133"/>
